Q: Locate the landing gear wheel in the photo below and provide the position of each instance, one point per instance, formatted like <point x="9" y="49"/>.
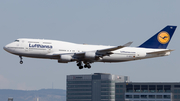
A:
<point x="80" y="67"/>
<point x="85" y="66"/>
<point x="89" y="66"/>
<point x="79" y="64"/>
<point x="21" y="62"/>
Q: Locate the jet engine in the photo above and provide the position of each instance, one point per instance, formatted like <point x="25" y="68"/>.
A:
<point x="90" y="55"/>
<point x="65" y="59"/>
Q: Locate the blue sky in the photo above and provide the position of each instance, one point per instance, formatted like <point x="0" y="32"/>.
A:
<point x="102" y="22"/>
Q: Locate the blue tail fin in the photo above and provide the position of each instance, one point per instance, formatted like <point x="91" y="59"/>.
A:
<point x="161" y="39"/>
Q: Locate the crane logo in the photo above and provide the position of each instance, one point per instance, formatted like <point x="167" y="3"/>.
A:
<point x="163" y="37"/>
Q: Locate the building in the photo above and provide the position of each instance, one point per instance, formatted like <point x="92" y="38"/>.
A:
<point x="144" y="91"/>
<point x="93" y="87"/>
<point x="10" y="99"/>
<point x="108" y="87"/>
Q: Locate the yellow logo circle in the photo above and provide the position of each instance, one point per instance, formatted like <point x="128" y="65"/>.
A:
<point x="163" y="37"/>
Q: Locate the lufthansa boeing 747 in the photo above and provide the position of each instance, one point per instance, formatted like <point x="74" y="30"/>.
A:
<point x="84" y="54"/>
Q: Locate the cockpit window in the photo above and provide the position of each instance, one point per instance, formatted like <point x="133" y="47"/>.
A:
<point x="16" y="41"/>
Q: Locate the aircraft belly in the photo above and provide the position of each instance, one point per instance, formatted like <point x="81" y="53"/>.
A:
<point x="118" y="58"/>
<point x="43" y="56"/>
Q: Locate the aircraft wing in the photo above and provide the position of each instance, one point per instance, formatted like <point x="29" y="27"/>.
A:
<point x="159" y="52"/>
<point x="113" y="48"/>
<point x="103" y="52"/>
<point x="98" y="53"/>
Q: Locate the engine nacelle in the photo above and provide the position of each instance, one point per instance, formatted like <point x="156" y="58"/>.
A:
<point x="65" y="59"/>
<point x="90" y="55"/>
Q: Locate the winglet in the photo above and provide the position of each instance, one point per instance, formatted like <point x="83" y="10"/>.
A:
<point x="127" y="44"/>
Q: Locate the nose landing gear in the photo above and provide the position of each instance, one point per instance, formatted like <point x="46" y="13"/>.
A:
<point x="21" y="62"/>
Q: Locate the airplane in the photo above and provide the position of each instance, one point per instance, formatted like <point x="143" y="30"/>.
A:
<point x="85" y="54"/>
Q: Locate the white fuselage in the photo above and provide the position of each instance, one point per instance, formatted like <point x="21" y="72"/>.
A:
<point x="50" y="49"/>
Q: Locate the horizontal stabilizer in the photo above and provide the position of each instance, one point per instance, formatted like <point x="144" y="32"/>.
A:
<point x="160" y="52"/>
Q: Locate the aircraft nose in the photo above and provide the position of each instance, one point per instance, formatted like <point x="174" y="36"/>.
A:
<point x="5" y="48"/>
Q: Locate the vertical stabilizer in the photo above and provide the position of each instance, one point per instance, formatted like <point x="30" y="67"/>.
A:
<point x="161" y="39"/>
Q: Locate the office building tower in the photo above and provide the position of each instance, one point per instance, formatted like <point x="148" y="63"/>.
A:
<point x="93" y="87"/>
<point x="147" y="91"/>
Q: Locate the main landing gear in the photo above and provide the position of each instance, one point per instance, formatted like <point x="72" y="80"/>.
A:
<point x="21" y="62"/>
<point x="87" y="65"/>
<point x="80" y="65"/>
